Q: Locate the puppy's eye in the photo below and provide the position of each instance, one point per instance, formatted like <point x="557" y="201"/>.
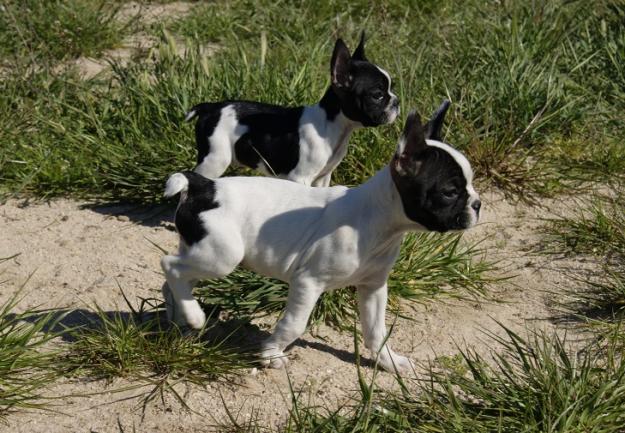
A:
<point x="377" y="96"/>
<point x="450" y="193"/>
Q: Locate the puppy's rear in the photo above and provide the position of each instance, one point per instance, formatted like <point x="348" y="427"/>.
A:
<point x="197" y="194"/>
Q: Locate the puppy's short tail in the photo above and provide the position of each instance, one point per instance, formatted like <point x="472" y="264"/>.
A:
<point x="177" y="183"/>
<point x="200" y="109"/>
<point x="190" y="115"/>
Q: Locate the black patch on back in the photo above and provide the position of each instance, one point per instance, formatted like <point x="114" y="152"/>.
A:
<point x="422" y="195"/>
<point x="272" y="137"/>
<point x="208" y="117"/>
<point x="200" y="198"/>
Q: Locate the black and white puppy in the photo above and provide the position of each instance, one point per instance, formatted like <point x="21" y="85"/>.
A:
<point x="318" y="239"/>
<point x="302" y="144"/>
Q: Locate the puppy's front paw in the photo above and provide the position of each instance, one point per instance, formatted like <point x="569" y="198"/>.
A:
<point x="195" y="317"/>
<point x="394" y="363"/>
<point x="273" y="358"/>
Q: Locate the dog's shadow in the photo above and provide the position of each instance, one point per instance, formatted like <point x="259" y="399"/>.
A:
<point x="237" y="334"/>
<point x="157" y="215"/>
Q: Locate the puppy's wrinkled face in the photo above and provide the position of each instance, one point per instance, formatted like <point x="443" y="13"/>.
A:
<point x="433" y="179"/>
<point x="363" y="89"/>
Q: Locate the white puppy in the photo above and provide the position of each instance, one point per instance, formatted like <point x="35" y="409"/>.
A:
<point x="318" y="239"/>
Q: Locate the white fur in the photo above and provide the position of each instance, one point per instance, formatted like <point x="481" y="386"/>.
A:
<point x="393" y="97"/>
<point x="316" y="239"/>
<point x="176" y="183"/>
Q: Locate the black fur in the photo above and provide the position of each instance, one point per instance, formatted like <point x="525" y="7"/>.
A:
<point x="331" y="104"/>
<point x="272" y="137"/>
<point x="208" y="116"/>
<point x="436" y="197"/>
<point x="430" y="182"/>
<point x="434" y="126"/>
<point x="200" y="198"/>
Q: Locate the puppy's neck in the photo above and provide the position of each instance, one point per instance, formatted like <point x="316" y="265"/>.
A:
<point x="331" y="104"/>
<point x="382" y="202"/>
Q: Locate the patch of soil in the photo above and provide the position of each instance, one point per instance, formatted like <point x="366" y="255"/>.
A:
<point x="141" y="42"/>
<point x="150" y="13"/>
<point x="72" y="254"/>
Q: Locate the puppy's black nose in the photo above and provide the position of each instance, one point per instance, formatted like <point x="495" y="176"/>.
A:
<point x="477" y="204"/>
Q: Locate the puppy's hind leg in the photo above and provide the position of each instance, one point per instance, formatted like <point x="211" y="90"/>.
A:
<point x="215" y="256"/>
<point x="182" y="308"/>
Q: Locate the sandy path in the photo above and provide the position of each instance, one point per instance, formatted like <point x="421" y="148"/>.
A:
<point x="72" y="255"/>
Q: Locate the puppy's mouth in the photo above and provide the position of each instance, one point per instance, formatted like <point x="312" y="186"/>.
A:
<point x="392" y="111"/>
<point x="467" y="219"/>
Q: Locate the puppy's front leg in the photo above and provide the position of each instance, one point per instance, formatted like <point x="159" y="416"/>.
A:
<point x="372" y="307"/>
<point x="300" y="303"/>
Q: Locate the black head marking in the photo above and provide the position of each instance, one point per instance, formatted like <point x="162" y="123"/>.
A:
<point x="435" y="125"/>
<point x="361" y="88"/>
<point x="430" y="181"/>
<point x="359" y="53"/>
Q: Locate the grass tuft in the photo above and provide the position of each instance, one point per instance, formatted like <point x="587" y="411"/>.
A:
<point x="26" y="364"/>
<point x="26" y="360"/>
<point x="597" y="229"/>
<point x="534" y="385"/>
<point x="139" y="347"/>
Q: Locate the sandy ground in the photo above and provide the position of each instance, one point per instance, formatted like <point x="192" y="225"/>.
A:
<point x="73" y="254"/>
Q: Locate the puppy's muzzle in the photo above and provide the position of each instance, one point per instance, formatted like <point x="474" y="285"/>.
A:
<point x="392" y="111"/>
<point x="471" y="215"/>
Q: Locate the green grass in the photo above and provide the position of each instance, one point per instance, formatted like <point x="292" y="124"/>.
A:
<point x="25" y="364"/>
<point x="600" y="307"/>
<point x="26" y="360"/>
<point x="598" y="228"/>
<point x="531" y="385"/>
<point x="538" y="92"/>
<point x="54" y="30"/>
<point x="140" y="347"/>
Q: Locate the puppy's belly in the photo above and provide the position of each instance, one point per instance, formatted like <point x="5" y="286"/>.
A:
<point x="278" y="270"/>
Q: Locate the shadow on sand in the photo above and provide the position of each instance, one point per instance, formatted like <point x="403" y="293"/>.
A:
<point x="238" y="334"/>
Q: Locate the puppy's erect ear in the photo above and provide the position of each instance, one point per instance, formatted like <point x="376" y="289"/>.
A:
<point x="435" y="125"/>
<point x="340" y="65"/>
<point x="411" y="144"/>
<point x="359" y="53"/>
